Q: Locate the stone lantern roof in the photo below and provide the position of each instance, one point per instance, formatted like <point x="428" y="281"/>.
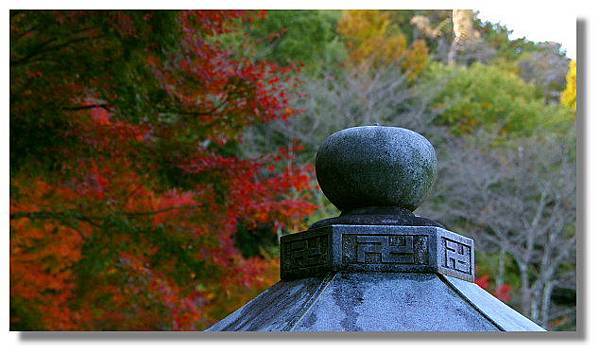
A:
<point x="377" y="266"/>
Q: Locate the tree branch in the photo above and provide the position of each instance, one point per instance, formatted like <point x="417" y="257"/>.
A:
<point x="88" y="107"/>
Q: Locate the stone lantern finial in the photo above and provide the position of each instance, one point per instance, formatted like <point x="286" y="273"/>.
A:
<point x="377" y="266"/>
<point x="376" y="166"/>
<point x="376" y="175"/>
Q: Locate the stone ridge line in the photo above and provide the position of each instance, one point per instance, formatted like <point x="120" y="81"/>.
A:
<point x="324" y="285"/>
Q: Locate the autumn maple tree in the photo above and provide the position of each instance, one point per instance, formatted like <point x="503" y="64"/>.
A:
<point x="128" y="181"/>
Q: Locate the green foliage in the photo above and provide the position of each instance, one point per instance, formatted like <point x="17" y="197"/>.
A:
<point x="299" y="37"/>
<point x="488" y="264"/>
<point x="257" y="241"/>
<point x="487" y="96"/>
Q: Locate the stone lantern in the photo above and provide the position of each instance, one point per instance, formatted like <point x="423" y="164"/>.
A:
<point x="376" y="267"/>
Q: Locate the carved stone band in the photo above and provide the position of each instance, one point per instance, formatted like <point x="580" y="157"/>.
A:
<point x="360" y="248"/>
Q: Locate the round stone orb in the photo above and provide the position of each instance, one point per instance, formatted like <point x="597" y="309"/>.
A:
<point x="376" y="166"/>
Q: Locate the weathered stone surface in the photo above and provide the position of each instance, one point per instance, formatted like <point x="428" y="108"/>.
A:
<point x="373" y="302"/>
<point x="278" y="308"/>
<point x="388" y="302"/>
<point x="376" y="166"/>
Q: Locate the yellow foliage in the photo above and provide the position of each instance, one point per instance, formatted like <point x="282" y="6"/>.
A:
<point x="569" y="96"/>
<point x="415" y="59"/>
<point x="389" y="49"/>
<point x="364" y="25"/>
<point x="372" y="40"/>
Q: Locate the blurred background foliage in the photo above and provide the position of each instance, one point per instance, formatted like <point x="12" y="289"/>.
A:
<point x="157" y="157"/>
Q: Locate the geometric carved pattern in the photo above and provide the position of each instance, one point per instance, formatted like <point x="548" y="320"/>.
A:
<point x="457" y="256"/>
<point x="384" y="249"/>
<point x="366" y="248"/>
<point x="305" y="253"/>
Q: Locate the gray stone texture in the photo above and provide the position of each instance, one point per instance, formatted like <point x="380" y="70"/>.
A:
<point x="376" y="166"/>
<point x="373" y="302"/>
<point x="504" y="317"/>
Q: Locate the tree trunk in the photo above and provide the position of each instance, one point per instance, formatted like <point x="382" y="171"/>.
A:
<point x="501" y="269"/>
<point x="462" y="26"/>
<point x="536" y="296"/>
<point x="525" y="291"/>
<point x="546" y="303"/>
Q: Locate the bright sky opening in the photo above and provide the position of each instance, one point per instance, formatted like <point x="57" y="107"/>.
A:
<point x="545" y="25"/>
